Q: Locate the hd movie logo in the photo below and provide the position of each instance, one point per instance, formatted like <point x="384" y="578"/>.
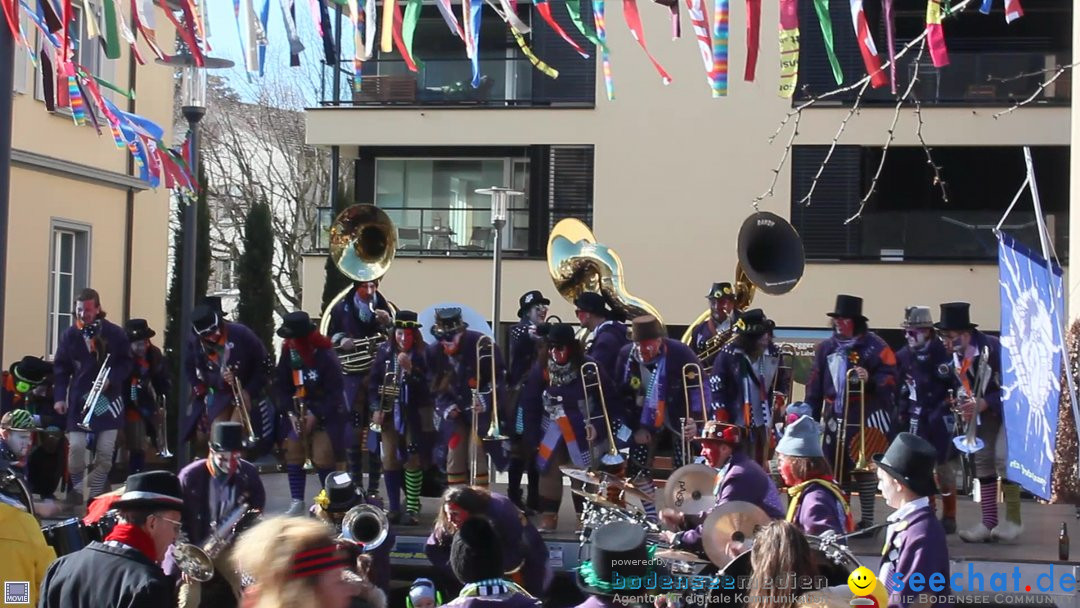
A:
<point x="17" y="592"/>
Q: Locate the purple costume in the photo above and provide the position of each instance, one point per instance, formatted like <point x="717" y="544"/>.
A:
<point x="992" y="395"/>
<point x="925" y="379"/>
<point x="523" y="352"/>
<point x="915" y="544"/>
<point x="413" y="403"/>
<point x="523" y="548"/>
<point x="607" y="343"/>
<point x="324" y="394"/>
<point x="741" y="479"/>
<point x="818" y="509"/>
<point x="242" y="350"/>
<point x="349" y="319"/>
<point x="76" y="367"/>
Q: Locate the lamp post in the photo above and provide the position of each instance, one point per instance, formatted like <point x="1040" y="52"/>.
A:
<point x="499" y="197"/>
<point x="193" y="106"/>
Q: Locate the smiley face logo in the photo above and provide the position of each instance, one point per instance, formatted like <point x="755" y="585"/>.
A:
<point x="862" y="582"/>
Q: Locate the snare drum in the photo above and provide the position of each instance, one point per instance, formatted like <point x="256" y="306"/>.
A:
<point x="65" y="537"/>
<point x="834" y="562"/>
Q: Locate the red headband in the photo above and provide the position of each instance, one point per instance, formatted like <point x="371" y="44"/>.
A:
<point x="316" y="561"/>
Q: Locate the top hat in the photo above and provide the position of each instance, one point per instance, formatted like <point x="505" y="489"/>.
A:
<point x="752" y="322"/>
<point x="530" y="299"/>
<point x="560" y="334"/>
<point x="911" y="460"/>
<point x="205" y="318"/>
<point x="847" y="307"/>
<point x="917" y="317"/>
<point x="955" y="316"/>
<point x="721" y="432"/>
<point x="215" y="303"/>
<point x="721" y="290"/>
<point x="341" y="492"/>
<point x="476" y="552"/>
<point x="296" y="325"/>
<point x="593" y="303"/>
<point x="406" y="319"/>
<point x="227" y="437"/>
<point x="618" y="549"/>
<point x="33" y="370"/>
<point x="647" y="327"/>
<point x="802" y="438"/>
<point x="138" y="329"/>
<point x="152" y="489"/>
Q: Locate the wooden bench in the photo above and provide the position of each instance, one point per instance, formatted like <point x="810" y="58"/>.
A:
<point x="398" y="88"/>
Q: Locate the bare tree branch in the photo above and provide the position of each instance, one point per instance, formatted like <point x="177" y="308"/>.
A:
<point x="1061" y="69"/>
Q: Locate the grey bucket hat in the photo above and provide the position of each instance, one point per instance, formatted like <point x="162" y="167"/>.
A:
<point x="801" y="438"/>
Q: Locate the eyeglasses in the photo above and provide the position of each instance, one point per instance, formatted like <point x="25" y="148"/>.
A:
<point x="177" y="525"/>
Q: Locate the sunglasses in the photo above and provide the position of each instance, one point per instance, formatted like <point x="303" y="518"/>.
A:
<point x="207" y="331"/>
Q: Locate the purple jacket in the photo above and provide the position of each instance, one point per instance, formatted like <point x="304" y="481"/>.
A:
<point x="346" y="322"/>
<point x="523" y="352"/>
<point x="606" y="346"/>
<point x="522" y="546"/>
<point x="147" y="384"/>
<point x="244" y="351"/>
<point x="324" y="389"/>
<point x="870" y="353"/>
<point x="818" y="510"/>
<point x="919" y="547"/>
<point x="631" y="389"/>
<point x="993" y="389"/>
<point x="726" y="382"/>
<point x="743" y="480"/>
<point x="930" y="372"/>
<point x="75" y="368"/>
<point x="414" y="402"/>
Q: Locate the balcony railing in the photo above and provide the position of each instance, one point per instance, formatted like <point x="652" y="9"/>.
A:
<point x="446" y="231"/>
<point x="975" y="78"/>
<point x="506" y="82"/>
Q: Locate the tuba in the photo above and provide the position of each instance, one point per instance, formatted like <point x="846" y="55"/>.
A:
<point x="577" y="263"/>
<point x="363" y="243"/>
<point x="771" y="258"/>
<point x="365" y="526"/>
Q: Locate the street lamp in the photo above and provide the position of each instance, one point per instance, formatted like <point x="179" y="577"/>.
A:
<point x="193" y="106"/>
<point x="499" y="197"/>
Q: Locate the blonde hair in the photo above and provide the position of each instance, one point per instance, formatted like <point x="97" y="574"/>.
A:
<point x="265" y="553"/>
<point x="781" y="566"/>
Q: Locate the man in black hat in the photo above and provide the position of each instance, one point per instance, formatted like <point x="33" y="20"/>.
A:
<point x="149" y="384"/>
<point x="400" y="398"/>
<point x="525" y="342"/>
<point x="309" y="386"/>
<point x="125" y="569"/>
<point x="219" y="352"/>
<point x="213" y="488"/>
<point x="81" y="355"/>
<point x="853" y="358"/>
<point x="560" y="418"/>
<point x="462" y="391"/>
<point x="618" y="551"/>
<point x="721" y="315"/>
<point x="650" y="382"/>
<point x="27" y="385"/>
<point x="975" y="363"/>
<point x="915" y="541"/>
<point x="607" y="334"/>
<point x="742" y="379"/>
<point x="476" y="560"/>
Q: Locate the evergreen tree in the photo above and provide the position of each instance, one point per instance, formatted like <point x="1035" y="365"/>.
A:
<point x="335" y="280"/>
<point x="257" y="295"/>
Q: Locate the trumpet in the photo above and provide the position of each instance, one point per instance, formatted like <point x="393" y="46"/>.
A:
<point x="389" y="392"/>
<point x="589" y="370"/>
<point x="365" y="526"/>
<point x="90" y="408"/>
<point x="241" y="407"/>
<point x="198" y="562"/>
<point x="692" y="380"/>
<point x="163" y="431"/>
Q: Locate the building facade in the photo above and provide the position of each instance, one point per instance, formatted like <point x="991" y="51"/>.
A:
<point x="79" y="215"/>
<point x="665" y="175"/>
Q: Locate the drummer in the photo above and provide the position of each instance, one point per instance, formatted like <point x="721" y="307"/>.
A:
<point x="739" y="478"/>
<point x="815" y="502"/>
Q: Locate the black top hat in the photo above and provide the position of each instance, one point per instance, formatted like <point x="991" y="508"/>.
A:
<point x="847" y="307"/>
<point x="152" y="489"/>
<point x="448" y="322"/>
<point x="342" y="492"/>
<point x="955" y="316"/>
<point x="138" y="329"/>
<point x="205" y="318"/>
<point x="227" y="437"/>
<point x="530" y="299"/>
<point x="296" y="325"/>
<point x="34" y="370"/>
<point x="721" y="290"/>
<point x="753" y="322"/>
<point x="215" y="303"/>
<point x="647" y="327"/>
<point x="406" y="319"/>
<point x="618" y="548"/>
<point x="560" y="334"/>
<point x="593" y="303"/>
<point x="476" y="552"/>
<point x="911" y="460"/>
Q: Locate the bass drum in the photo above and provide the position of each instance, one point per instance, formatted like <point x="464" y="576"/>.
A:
<point x="66" y="537"/>
<point x="835" y="563"/>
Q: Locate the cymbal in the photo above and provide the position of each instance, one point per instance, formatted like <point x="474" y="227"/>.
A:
<point x="596" y="499"/>
<point x="580" y="475"/>
<point x="734" y="521"/>
<point x="689" y="489"/>
<point x="606" y="479"/>
<point x="672" y="555"/>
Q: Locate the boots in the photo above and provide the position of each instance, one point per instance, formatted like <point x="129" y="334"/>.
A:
<point x="948" y="512"/>
<point x="1011" y="527"/>
<point x="981" y="532"/>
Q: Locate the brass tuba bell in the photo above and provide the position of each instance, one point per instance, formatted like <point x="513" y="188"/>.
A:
<point x="365" y="526"/>
<point x="577" y="263"/>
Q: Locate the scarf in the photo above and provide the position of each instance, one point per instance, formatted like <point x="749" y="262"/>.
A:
<point x="560" y="375"/>
<point x="305" y="347"/>
<point x="216" y="351"/>
<point x="134" y="537"/>
<point x="654" y="404"/>
<point x="798" y="491"/>
<point x="363" y="309"/>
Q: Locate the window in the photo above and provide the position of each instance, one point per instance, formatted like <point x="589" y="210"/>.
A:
<point x="69" y="273"/>
<point x="907" y="220"/>
<point x="225" y="278"/>
<point x="321" y="237"/>
<point x="89" y="52"/>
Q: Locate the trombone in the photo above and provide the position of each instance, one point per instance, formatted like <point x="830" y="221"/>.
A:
<point x="840" y="456"/>
<point x="784" y="367"/>
<point x="241" y="407"/>
<point x="163" y="431"/>
<point x="612" y="458"/>
<point x="485" y="349"/>
<point x="692" y="380"/>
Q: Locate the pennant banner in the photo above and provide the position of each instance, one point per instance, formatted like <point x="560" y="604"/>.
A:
<point x="1031" y="345"/>
<point x="789" y="47"/>
<point x="935" y="34"/>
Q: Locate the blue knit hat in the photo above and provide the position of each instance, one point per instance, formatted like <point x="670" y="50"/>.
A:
<point x="801" y="438"/>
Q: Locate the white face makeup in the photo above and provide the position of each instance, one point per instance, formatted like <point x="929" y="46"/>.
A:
<point x="19" y="442"/>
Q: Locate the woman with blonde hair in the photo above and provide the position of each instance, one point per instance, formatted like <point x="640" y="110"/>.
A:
<point x="780" y="551"/>
<point x="294" y="561"/>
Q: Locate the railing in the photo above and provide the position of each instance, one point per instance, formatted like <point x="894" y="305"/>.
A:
<point x="973" y="78"/>
<point x="505" y="82"/>
<point x="446" y="231"/>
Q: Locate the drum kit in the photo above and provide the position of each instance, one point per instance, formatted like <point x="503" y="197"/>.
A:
<point x="606" y="500"/>
<point x="71" y="535"/>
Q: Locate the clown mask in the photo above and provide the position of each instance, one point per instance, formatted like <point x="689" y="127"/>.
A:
<point x="650" y="349"/>
<point x="224" y="464"/>
<point x="559" y="354"/>
<point x="404" y="338"/>
<point x="845" y="328"/>
<point x="19" y="442"/>
<point x="917" y="337"/>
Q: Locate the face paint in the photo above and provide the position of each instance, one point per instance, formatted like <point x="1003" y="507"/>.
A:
<point x="456" y="514"/>
<point x="366" y="291"/>
<point x="845" y="328"/>
<point x="139" y="348"/>
<point x="787" y="473"/>
<point x="957" y="341"/>
<point x="917" y="337"/>
<point x="538" y="313"/>
<point x="650" y="349"/>
<point x="87" y="311"/>
<point x="560" y="354"/>
<point x="404" y="339"/>
<point x="582" y="316"/>
<point x="224" y="463"/>
<point x="19" y="442"/>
